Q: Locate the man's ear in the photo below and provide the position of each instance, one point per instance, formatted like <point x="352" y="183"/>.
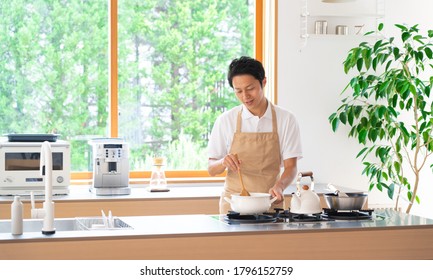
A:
<point x="264" y="82"/>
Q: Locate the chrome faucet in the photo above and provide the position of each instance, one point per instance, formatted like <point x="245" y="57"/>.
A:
<point x="46" y="167"/>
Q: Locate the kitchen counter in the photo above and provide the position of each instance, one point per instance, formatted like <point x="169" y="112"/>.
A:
<point x="389" y="235"/>
<point x="193" y="190"/>
<point x="181" y="199"/>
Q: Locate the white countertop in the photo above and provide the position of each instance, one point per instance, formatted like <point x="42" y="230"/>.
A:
<point x="187" y="225"/>
<point x="178" y="191"/>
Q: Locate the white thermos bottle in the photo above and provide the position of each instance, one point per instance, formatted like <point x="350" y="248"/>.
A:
<point x="17" y="216"/>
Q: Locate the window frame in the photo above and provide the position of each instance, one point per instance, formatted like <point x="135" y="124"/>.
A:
<point x="262" y="9"/>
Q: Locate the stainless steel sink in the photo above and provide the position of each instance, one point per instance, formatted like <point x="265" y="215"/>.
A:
<point x="36" y="225"/>
<point x="66" y="224"/>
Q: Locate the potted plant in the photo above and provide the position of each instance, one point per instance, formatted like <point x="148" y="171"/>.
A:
<point x="388" y="108"/>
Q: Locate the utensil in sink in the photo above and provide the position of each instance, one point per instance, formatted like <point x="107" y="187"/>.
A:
<point x="244" y="191"/>
<point x="336" y="191"/>
<point x="104" y="219"/>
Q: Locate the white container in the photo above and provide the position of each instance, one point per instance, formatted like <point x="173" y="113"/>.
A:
<point x="256" y="203"/>
<point x="321" y="27"/>
<point x="341" y="30"/>
<point x="17" y="216"/>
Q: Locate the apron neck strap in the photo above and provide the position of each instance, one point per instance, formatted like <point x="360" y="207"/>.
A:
<point x="274" y="119"/>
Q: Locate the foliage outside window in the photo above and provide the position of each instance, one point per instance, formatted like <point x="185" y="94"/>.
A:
<point x="53" y="70"/>
<point x="173" y="58"/>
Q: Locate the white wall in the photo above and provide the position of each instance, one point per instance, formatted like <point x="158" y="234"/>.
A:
<point x="310" y="80"/>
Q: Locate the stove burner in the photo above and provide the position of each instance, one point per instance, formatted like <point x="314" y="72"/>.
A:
<point x="305" y="217"/>
<point x="236" y="218"/>
<point x="364" y="214"/>
<point x="296" y="217"/>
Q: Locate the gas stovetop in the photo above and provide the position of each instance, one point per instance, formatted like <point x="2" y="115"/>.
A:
<point x="285" y="216"/>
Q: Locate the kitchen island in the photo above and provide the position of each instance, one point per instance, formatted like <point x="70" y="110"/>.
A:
<point x="388" y="235"/>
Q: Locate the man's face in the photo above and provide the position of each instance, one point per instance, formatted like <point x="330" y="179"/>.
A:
<point x="249" y="91"/>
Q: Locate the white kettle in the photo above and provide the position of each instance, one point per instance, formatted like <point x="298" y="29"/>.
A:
<point x="305" y="200"/>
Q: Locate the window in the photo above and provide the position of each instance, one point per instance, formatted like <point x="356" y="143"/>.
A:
<point x="169" y="83"/>
<point x="173" y="58"/>
<point x="54" y="70"/>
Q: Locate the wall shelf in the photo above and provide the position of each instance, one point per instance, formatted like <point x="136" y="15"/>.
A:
<point x="357" y="18"/>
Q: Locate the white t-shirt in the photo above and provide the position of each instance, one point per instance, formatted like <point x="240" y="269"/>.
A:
<point x="225" y="126"/>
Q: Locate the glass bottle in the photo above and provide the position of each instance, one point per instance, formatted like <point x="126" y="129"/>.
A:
<point x="157" y="179"/>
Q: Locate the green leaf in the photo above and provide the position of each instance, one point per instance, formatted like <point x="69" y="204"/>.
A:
<point x="402" y="27"/>
<point x="418" y="39"/>
<point x="409" y="103"/>
<point x="428" y="52"/>
<point x="396" y="52"/>
<point x="372" y="135"/>
<point x="374" y="63"/>
<point x="397" y="166"/>
<point x="412" y="89"/>
<point x="381" y="111"/>
<point x="366" y="55"/>
<point x="419" y="56"/>
<point x="358" y="110"/>
<point x="388" y="65"/>
<point x="380" y="26"/>
<point x="391" y="188"/>
<point x="343" y="117"/>
<point x="427" y="91"/>
<point x="405" y="36"/>
<point x="377" y="45"/>
<point x="359" y="64"/>
<point x="405" y="94"/>
<point x="361" y="152"/>
<point x="350" y="115"/>
<point x="334" y="124"/>
<point x="354" y="82"/>
<point x="404" y="87"/>
<point x="362" y="136"/>
<point x="379" y="186"/>
<point x="392" y="111"/>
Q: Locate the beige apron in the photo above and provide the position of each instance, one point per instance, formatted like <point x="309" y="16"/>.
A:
<point x="260" y="156"/>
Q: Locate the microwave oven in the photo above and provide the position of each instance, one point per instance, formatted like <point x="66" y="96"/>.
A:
<point x="20" y="168"/>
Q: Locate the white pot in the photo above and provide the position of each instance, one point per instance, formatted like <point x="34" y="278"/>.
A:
<point x="257" y="203"/>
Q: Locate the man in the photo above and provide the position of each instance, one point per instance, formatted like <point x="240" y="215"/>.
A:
<point x="255" y="137"/>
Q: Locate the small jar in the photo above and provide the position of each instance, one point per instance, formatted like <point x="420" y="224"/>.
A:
<point x="341" y="30"/>
<point x="321" y="27"/>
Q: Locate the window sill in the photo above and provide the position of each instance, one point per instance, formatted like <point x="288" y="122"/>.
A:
<point x="143" y="177"/>
<point x="170" y="181"/>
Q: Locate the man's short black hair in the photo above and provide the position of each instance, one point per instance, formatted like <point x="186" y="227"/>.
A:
<point x="246" y="65"/>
